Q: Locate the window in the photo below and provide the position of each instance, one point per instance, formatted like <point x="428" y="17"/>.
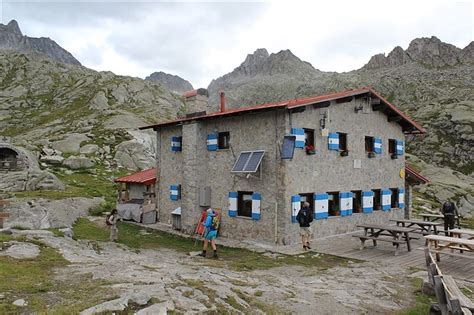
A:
<point x="244" y="204"/>
<point x="369" y="144"/>
<point x="343" y="143"/>
<point x="377" y="199"/>
<point x="223" y="140"/>
<point x="333" y="204"/>
<point x="392" y="146"/>
<point x="357" y="201"/>
<point x="308" y="137"/>
<point x="309" y="198"/>
<point x="394" y="198"/>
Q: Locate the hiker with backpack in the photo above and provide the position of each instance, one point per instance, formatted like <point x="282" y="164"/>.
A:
<point x="211" y="225"/>
<point x="304" y="218"/>
<point x="111" y="221"/>
<point x="450" y="212"/>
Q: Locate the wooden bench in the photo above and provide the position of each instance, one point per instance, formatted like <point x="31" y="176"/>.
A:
<point x="437" y="244"/>
<point x="450" y="299"/>
<point x="435" y="217"/>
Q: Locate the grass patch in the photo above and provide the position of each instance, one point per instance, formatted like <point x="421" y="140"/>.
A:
<point x="422" y="302"/>
<point x="88" y="230"/>
<point x="254" y="303"/>
<point x="20" y="227"/>
<point x="56" y="232"/>
<point x="136" y="237"/>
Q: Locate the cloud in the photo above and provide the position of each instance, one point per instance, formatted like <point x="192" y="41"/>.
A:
<point x="201" y="41"/>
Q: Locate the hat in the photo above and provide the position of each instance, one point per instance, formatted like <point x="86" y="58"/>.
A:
<point x="209" y="211"/>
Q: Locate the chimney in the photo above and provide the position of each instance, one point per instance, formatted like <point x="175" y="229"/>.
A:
<point x="222" y="96"/>
<point x="196" y="102"/>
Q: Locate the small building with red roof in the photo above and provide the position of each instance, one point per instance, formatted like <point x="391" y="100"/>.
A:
<point x="342" y="152"/>
<point x="136" y="196"/>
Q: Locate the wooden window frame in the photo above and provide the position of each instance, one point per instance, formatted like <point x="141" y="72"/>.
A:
<point x="357" y="201"/>
<point x="369" y="146"/>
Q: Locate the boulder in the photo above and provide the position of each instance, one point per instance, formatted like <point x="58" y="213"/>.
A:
<point x="30" y="180"/>
<point x="78" y="162"/>
<point x="89" y="149"/>
<point x="100" y="102"/>
<point x="52" y="159"/>
<point x="70" y="144"/>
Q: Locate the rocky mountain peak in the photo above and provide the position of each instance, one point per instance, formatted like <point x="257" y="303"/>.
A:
<point x="172" y="82"/>
<point x="430" y="51"/>
<point x="11" y="38"/>
<point x="12" y="27"/>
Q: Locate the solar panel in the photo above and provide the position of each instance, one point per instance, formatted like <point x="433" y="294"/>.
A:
<point x="241" y="162"/>
<point x="254" y="161"/>
<point x="248" y="162"/>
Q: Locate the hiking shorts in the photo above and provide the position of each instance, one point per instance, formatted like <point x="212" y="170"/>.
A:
<point x="210" y="235"/>
<point x="305" y="231"/>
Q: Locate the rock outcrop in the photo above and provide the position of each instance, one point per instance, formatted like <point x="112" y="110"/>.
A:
<point x="172" y="82"/>
<point x="45" y="214"/>
<point x="430" y="52"/>
<point x="11" y="38"/>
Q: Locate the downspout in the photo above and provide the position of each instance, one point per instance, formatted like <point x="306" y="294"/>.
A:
<point x="158" y="173"/>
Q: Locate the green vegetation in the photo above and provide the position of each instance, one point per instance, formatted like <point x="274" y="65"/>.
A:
<point x="138" y="238"/>
<point x="422" y="302"/>
<point x="33" y="280"/>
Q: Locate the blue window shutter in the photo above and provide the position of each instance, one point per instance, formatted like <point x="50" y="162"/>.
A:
<point x="367" y="201"/>
<point x="212" y="142"/>
<point x="174" y="192"/>
<point x="176" y="144"/>
<point x="386" y="199"/>
<point x="401" y="198"/>
<point x="232" y="204"/>
<point x="345" y="203"/>
<point x="299" y="137"/>
<point x="377" y="145"/>
<point x="295" y="207"/>
<point x="333" y="141"/>
<point x="256" y="200"/>
<point x="320" y="206"/>
<point x="400" y="147"/>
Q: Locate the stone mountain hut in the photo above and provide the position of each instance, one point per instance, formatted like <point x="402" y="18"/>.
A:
<point x="344" y="153"/>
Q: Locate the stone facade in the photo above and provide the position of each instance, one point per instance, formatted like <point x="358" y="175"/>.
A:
<point x="194" y="167"/>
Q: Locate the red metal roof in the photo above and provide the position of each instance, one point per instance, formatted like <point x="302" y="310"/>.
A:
<point x="296" y="103"/>
<point x="146" y="177"/>
<point x="190" y="93"/>
<point x="410" y="171"/>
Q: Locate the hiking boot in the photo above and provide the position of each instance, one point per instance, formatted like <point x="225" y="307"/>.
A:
<point x="203" y="254"/>
<point x="215" y="256"/>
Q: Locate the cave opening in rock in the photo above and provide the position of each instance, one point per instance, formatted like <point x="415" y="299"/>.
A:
<point x="8" y="159"/>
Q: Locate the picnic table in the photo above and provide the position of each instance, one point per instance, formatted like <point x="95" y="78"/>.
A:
<point x="460" y="232"/>
<point x="396" y="235"/>
<point x="435" y="217"/>
<point x="439" y="243"/>
<point x="424" y="227"/>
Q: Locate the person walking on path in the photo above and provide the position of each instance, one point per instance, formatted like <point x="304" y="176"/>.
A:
<point x="211" y="225"/>
<point x="450" y="212"/>
<point x="111" y="221"/>
<point x="304" y="218"/>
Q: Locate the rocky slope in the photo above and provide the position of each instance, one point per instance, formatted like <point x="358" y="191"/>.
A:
<point x="172" y="82"/>
<point x="430" y="80"/>
<point x="11" y="38"/>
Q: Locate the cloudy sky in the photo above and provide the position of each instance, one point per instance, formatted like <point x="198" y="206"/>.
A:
<point x="200" y="41"/>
